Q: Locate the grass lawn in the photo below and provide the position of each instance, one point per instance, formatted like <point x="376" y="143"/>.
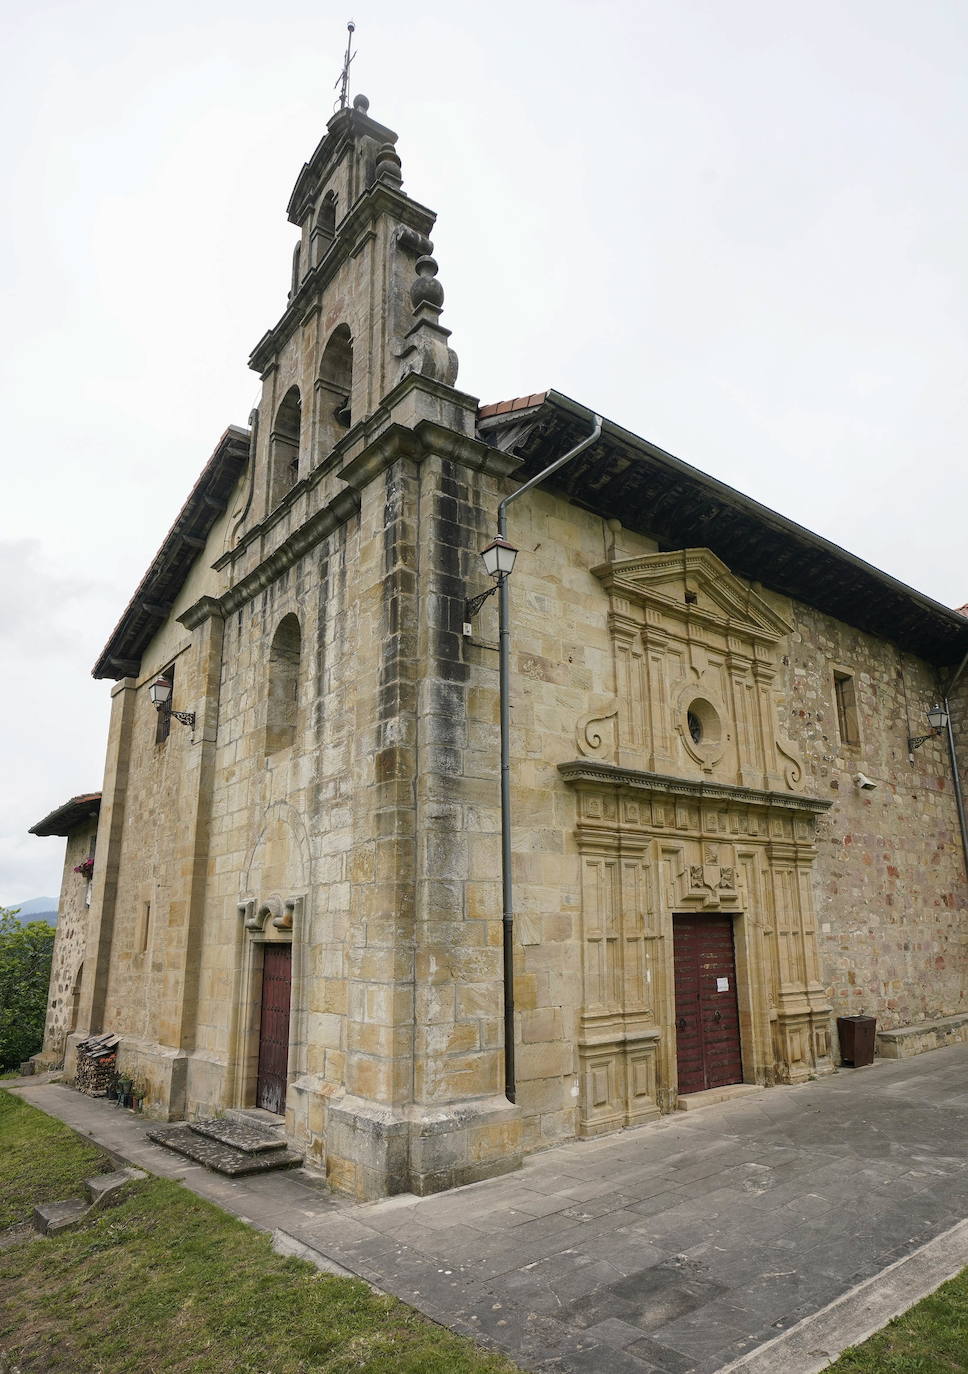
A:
<point x="40" y="1160"/>
<point x="930" y="1338"/>
<point x="167" y="1282"/>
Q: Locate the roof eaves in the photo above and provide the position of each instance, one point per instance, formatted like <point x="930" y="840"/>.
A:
<point x="925" y="608"/>
<point x="155" y="593"/>
<point x="68" y="817"/>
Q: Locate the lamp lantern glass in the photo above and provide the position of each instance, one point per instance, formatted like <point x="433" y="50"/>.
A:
<point x="159" y="692"/>
<point x="499" y="558"/>
<point x="937" y="718"/>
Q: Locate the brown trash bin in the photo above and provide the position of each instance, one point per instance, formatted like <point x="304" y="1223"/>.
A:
<point x="856" y="1034"/>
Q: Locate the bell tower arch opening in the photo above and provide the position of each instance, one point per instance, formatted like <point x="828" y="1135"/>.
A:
<point x="334" y="391"/>
<point x="284" y="443"/>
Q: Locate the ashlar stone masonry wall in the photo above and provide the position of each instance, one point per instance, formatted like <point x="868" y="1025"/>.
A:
<point x="888" y="881"/>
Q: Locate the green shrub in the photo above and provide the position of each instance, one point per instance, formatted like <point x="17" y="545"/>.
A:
<point x="25" y="955"/>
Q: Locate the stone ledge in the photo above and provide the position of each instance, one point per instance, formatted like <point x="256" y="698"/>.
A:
<point x="904" y="1042"/>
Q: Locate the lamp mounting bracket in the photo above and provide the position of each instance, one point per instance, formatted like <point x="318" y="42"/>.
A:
<point x="474" y="603"/>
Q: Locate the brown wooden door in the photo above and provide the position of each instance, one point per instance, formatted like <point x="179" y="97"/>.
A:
<point x="270" y="1091"/>
<point x="707" y="1014"/>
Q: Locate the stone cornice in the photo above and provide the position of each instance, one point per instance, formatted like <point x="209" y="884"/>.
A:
<point x="397" y="441"/>
<point x="471" y="453"/>
<point x="346" y="126"/>
<point x="609" y="775"/>
<point x="329" y="518"/>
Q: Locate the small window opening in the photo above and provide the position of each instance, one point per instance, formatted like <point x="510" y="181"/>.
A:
<point x="692" y="599"/>
<point x="145" y="926"/>
<point x="846" y="699"/>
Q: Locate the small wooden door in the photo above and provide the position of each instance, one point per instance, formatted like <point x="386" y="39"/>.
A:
<point x="270" y="1091"/>
<point x="707" y="1013"/>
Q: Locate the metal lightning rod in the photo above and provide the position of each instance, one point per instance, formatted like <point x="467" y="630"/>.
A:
<point x="343" y="80"/>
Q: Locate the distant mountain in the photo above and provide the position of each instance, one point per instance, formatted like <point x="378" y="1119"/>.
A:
<point x="37" y="909"/>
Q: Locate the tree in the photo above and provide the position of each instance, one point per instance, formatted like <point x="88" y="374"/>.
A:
<point x="25" y="955"/>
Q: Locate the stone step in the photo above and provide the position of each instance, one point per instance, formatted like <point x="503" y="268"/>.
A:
<point x="53" y="1217"/>
<point x="246" y="1136"/>
<point x="105" y="1188"/>
<point x="258" y="1116"/>
<point x="691" y="1102"/>
<point x="223" y="1159"/>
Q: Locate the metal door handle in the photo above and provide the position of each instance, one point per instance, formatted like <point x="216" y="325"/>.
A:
<point x="681" y="1023"/>
<point x="717" y="1016"/>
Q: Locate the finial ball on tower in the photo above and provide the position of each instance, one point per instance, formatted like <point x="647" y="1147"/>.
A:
<point x="426" y="290"/>
<point x="361" y="103"/>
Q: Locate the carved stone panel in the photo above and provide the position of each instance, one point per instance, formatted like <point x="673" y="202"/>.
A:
<point x="694" y="651"/>
<point x="654" y="847"/>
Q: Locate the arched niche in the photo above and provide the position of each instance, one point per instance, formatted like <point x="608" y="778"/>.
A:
<point x="324" y="227"/>
<point x="296" y="270"/>
<point x="283" y="694"/>
<point x="334" y="390"/>
<point x="284" y="439"/>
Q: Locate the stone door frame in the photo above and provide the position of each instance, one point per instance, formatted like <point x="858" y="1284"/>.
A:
<point x="652" y="847"/>
<point x="264" y="922"/>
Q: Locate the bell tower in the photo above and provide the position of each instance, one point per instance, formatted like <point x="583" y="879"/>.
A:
<point x="363" y="307"/>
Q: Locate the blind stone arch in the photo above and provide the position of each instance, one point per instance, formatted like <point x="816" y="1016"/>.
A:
<point x="283" y="696"/>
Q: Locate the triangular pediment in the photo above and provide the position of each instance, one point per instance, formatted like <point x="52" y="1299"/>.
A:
<point x="694" y="584"/>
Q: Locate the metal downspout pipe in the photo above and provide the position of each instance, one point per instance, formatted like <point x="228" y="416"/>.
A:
<point x="507" y="895"/>
<point x="959" y="799"/>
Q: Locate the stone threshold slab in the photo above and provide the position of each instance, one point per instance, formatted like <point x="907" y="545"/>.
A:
<point x="691" y="1102"/>
<point x="239" y="1135"/>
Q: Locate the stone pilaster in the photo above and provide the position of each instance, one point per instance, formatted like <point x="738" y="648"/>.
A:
<point x="100" y="931"/>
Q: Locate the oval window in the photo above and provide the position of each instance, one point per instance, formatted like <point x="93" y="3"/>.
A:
<point x="703" y="725"/>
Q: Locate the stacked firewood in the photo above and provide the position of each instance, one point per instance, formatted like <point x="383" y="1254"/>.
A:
<point x="96" y="1072"/>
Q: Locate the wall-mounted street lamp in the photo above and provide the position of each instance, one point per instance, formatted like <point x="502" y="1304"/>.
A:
<point x="937" y="719"/>
<point x="159" y="694"/>
<point x="498" y="559"/>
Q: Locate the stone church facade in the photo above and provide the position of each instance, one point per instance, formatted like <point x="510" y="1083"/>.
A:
<point x="296" y="896"/>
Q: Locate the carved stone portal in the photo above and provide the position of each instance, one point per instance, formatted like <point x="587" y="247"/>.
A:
<point x="695" y="811"/>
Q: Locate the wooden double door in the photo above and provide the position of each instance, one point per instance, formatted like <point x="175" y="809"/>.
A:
<point x="707" y="1013"/>
<point x="273" y="1073"/>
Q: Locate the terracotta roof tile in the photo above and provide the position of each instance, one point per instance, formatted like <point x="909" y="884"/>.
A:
<point x="504" y="407"/>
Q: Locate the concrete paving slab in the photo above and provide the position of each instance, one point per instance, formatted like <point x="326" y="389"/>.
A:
<point x="685" y="1246"/>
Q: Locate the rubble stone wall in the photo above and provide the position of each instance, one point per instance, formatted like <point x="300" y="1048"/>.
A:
<point x="69" y="943"/>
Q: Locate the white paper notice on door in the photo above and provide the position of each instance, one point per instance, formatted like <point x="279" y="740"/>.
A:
<point x="722" y="985"/>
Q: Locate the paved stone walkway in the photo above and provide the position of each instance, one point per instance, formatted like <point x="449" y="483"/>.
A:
<point x="676" y="1247"/>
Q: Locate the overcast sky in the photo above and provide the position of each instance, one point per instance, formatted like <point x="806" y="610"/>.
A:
<point x="736" y="227"/>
